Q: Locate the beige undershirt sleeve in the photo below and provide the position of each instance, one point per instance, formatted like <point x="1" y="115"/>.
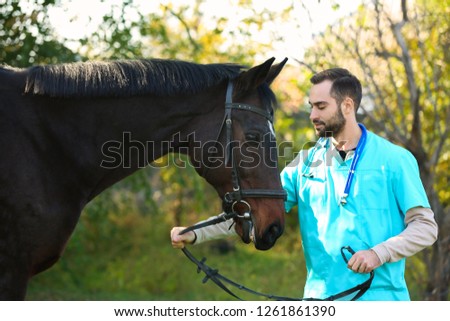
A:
<point x="421" y="231"/>
<point x="216" y="231"/>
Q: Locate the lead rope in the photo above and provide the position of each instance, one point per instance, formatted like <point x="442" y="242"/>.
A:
<point x="219" y="280"/>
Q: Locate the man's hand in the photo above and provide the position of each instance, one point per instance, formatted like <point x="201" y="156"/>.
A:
<point x="364" y="261"/>
<point x="179" y="241"/>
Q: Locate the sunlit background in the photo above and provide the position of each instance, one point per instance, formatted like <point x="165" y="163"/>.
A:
<point x="73" y="20"/>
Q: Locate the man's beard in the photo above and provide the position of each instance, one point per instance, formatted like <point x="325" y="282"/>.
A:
<point x="333" y="127"/>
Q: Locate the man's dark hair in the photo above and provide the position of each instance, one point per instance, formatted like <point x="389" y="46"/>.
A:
<point x="345" y="84"/>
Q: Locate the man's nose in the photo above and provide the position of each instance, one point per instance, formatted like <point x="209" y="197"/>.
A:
<point x="313" y="114"/>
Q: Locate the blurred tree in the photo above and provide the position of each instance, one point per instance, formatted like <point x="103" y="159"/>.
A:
<point x="183" y="30"/>
<point x="26" y="36"/>
<point x="118" y="36"/>
<point x="401" y="54"/>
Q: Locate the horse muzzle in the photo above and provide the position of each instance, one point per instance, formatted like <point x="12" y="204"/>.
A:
<point x="268" y="238"/>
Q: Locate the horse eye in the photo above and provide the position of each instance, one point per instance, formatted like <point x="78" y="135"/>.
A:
<point x="253" y="137"/>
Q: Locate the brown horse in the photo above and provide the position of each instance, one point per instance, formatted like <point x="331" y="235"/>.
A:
<point x="66" y="131"/>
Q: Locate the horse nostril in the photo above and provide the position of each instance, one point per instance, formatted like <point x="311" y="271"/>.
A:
<point x="272" y="234"/>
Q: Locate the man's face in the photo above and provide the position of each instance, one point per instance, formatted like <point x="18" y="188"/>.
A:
<point x="326" y="115"/>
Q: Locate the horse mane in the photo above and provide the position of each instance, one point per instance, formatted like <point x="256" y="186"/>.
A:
<point x="125" y="78"/>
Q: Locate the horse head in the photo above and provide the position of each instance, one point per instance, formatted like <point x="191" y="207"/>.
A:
<point x="240" y="161"/>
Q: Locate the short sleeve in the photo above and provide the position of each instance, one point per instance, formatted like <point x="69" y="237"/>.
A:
<point x="408" y="187"/>
<point x="289" y="182"/>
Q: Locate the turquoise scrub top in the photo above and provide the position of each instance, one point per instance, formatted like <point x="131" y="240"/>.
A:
<point x="386" y="184"/>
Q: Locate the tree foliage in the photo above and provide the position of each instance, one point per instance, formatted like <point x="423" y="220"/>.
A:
<point x="26" y="36"/>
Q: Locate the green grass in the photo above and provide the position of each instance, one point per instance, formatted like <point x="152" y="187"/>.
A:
<point x="129" y="257"/>
<point x="140" y="264"/>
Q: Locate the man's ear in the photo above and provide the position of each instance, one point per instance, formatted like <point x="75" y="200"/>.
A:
<point x="348" y="106"/>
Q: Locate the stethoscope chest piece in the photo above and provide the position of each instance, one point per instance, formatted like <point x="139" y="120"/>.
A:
<point x="343" y="200"/>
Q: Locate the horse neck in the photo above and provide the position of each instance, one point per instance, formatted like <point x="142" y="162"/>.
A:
<point x="113" y="138"/>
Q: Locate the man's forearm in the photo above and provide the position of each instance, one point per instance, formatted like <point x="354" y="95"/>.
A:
<point x="420" y="232"/>
<point x="216" y="231"/>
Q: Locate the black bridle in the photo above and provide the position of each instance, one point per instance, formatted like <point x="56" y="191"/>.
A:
<point x="230" y="199"/>
<point x="238" y="195"/>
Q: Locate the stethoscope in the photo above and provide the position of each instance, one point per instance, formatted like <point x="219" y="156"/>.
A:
<point x="351" y="172"/>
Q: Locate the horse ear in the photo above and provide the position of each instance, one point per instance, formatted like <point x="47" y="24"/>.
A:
<point x="254" y="77"/>
<point x="275" y="71"/>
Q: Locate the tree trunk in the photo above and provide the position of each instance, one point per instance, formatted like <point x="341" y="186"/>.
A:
<point x="438" y="266"/>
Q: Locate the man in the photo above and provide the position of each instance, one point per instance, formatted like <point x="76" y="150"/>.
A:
<point x="352" y="189"/>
